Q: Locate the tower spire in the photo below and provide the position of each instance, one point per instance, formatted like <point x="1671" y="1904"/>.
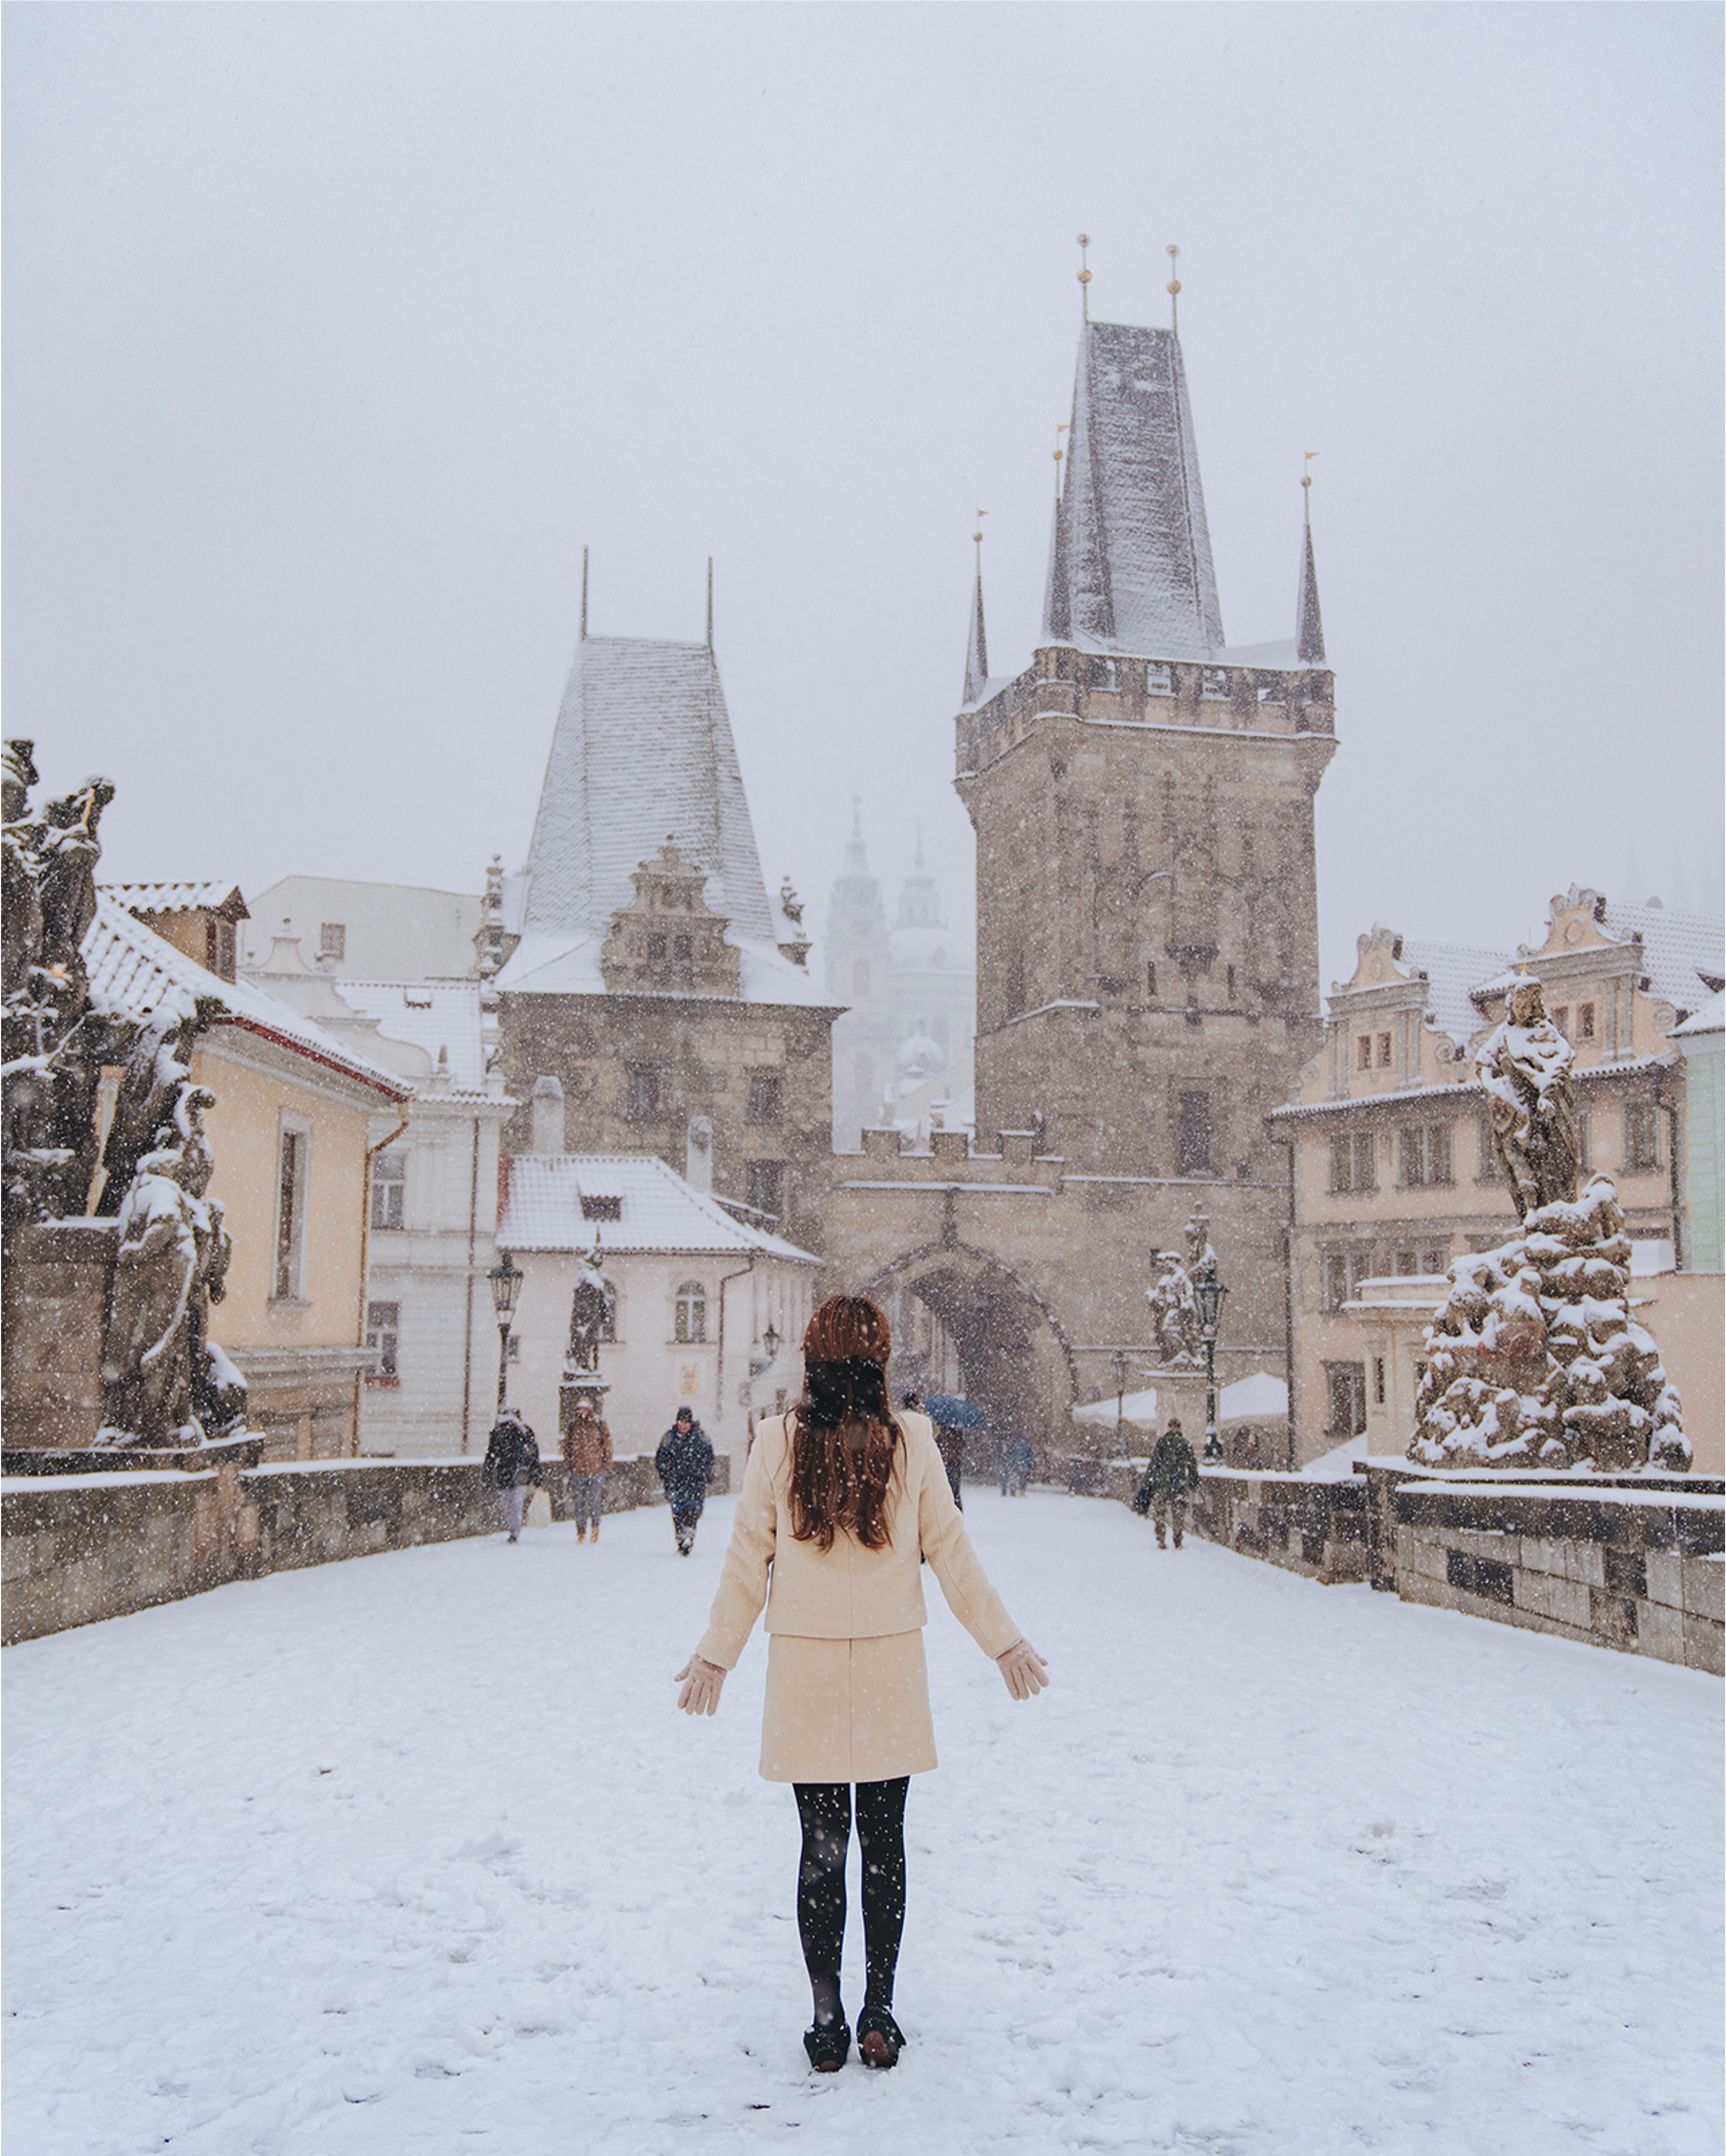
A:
<point x="977" y="648"/>
<point x="709" y="603"/>
<point x="1084" y="274"/>
<point x="584" y="595"/>
<point x="1309" y="623"/>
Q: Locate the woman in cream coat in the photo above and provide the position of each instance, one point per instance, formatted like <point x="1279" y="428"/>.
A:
<point x="841" y="1500"/>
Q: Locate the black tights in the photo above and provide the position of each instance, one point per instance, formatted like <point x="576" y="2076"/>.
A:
<point x="825" y="1809"/>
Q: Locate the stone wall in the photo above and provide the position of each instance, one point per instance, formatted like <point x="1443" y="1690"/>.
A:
<point x="80" y="1548"/>
<point x="55" y="1278"/>
<point x="1317" y="1528"/>
<point x="1608" y="1567"/>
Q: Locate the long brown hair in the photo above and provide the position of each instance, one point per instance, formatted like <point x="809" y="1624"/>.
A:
<point x="835" y="1484"/>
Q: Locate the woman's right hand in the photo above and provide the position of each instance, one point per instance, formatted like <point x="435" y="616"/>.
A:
<point x="702" y="1684"/>
<point x="1022" y="1669"/>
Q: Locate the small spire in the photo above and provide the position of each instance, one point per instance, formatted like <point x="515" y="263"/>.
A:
<point x="1064" y="427"/>
<point x="977" y="647"/>
<point x="709" y="603"/>
<point x="1085" y="273"/>
<point x="584" y="595"/>
<point x="1174" y="288"/>
<point x="1309" y="623"/>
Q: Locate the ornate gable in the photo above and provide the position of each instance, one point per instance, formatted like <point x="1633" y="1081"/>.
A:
<point x="670" y="941"/>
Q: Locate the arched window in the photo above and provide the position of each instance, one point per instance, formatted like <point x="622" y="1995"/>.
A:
<point x="608" y="1324"/>
<point x="691" y="1320"/>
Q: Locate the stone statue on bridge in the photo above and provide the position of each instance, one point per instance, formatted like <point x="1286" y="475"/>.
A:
<point x="1174" y="1315"/>
<point x="1524" y="1064"/>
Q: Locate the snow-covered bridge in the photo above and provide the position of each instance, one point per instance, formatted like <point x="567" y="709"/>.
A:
<point x="414" y="1854"/>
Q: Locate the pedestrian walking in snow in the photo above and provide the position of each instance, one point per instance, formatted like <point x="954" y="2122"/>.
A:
<point x="840" y="1501"/>
<point x="685" y="1461"/>
<point x="511" y="1467"/>
<point x="1020" y="1460"/>
<point x="950" y="1444"/>
<point x="587" y="1454"/>
<point x="1170" y="1480"/>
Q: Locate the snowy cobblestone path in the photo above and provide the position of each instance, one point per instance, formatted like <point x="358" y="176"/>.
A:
<point x="412" y="1854"/>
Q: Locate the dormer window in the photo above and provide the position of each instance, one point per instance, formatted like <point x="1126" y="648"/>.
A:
<point x="1214" y="684"/>
<point x="1159" y="677"/>
<point x="333" y="940"/>
<point x="601" y="1208"/>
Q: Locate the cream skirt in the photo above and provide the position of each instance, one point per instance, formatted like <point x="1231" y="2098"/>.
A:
<point x="846" y="1710"/>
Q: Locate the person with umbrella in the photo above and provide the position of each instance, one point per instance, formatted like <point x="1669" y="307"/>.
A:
<point x="952" y="1417"/>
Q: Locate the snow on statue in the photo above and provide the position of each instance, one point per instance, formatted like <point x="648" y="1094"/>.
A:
<point x="1535" y="1360"/>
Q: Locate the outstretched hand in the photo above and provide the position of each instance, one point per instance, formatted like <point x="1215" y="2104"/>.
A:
<point x="702" y="1684"/>
<point x="1022" y="1669"/>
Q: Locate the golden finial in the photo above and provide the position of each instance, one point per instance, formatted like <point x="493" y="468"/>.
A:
<point x="1306" y="482"/>
<point x="977" y="535"/>
<point x="1084" y="274"/>
<point x="1174" y="288"/>
<point x="1060" y="453"/>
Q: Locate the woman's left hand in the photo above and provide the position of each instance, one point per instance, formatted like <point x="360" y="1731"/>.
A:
<point x="1023" y="1669"/>
<point x="702" y="1684"/>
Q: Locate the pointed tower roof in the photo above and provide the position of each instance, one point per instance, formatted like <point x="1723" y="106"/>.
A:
<point x="642" y="748"/>
<point x="1131" y="568"/>
<point x="977" y="647"/>
<point x="1309" y="625"/>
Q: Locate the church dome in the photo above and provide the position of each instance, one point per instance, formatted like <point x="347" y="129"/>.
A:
<point x="920" y="1057"/>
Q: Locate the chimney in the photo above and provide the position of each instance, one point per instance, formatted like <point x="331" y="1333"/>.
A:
<point x="547" y="1112"/>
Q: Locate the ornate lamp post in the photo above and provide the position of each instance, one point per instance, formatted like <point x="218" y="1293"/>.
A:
<point x="1120" y="1404"/>
<point x="770" y="1339"/>
<point x="1208" y="1291"/>
<point x="506" y="1278"/>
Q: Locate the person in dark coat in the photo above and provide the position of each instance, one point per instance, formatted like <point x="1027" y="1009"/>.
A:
<point x="685" y="1461"/>
<point x="1170" y="1480"/>
<point x="1021" y="1460"/>
<point x="511" y="1467"/>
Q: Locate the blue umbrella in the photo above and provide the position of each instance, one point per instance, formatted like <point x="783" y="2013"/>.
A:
<point x="951" y="1413"/>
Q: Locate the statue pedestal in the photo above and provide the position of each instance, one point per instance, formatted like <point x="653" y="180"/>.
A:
<point x="1179" y="1395"/>
<point x="57" y="1278"/>
<point x="576" y="1386"/>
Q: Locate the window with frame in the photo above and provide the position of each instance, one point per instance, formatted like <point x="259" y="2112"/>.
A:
<point x="1486" y="1167"/>
<point x="601" y="1206"/>
<point x="383" y="1336"/>
<point x="1193" y="1134"/>
<point x="1385" y="1051"/>
<point x="767" y="1096"/>
<point x="1641" y="1138"/>
<point x="1378" y="1381"/>
<point x="1159" y="677"/>
<point x="1354" y="1159"/>
<point x="1423" y="1152"/>
<point x="1585" y="1022"/>
<point x="1432" y="1259"/>
<point x="689" y="1314"/>
<point x="1363" y="1052"/>
<point x="647" y="1089"/>
<point x="656" y="946"/>
<point x="292" y="1159"/>
<point x="333" y="940"/>
<point x="1346" y="1386"/>
<point x="1345" y="1266"/>
<point x="1214" y="682"/>
<point x="766" y="1186"/>
<point x="389" y="1189"/>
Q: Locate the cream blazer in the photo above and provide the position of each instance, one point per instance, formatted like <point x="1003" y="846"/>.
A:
<point x="851" y="1592"/>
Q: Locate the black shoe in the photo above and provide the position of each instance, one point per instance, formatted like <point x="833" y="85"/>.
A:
<point x="828" y="2047"/>
<point x="879" y="2037"/>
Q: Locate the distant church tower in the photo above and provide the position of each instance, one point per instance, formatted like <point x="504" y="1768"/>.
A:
<point x="1143" y="796"/>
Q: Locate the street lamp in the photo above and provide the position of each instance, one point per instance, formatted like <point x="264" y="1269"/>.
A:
<point x="1120" y="1404"/>
<point x="506" y="1278"/>
<point x="770" y="1339"/>
<point x="1208" y="1291"/>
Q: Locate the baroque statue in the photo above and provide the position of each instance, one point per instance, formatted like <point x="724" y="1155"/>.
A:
<point x="1174" y="1315"/>
<point x="589" y="1307"/>
<point x="1525" y="1066"/>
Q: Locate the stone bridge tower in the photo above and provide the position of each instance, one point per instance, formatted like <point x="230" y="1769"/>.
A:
<point x="1147" y="963"/>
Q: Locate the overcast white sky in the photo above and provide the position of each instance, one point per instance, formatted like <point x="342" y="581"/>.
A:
<point x="334" y="333"/>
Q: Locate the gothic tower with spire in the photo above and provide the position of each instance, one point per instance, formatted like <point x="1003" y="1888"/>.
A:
<point x="1141" y="794"/>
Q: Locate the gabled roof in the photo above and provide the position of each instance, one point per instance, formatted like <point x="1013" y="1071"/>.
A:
<point x="1131" y="566"/>
<point x="134" y="973"/>
<point x="216" y="895"/>
<point x="658" y="1210"/>
<point x="556" y="963"/>
<point x="431" y="1016"/>
<point x="642" y="750"/>
<point x="1683" y="952"/>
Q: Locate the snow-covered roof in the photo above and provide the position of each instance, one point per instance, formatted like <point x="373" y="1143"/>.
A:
<point x="1453" y="972"/>
<point x="434" y="1016"/>
<point x="1260" y="1394"/>
<point x="1684" y="954"/>
<point x="135" y="972"/>
<point x="554" y="963"/>
<point x="1131" y="562"/>
<point x="213" y="895"/>
<point x="1358" y="1103"/>
<point x="1710" y="1018"/>
<point x="642" y="750"/>
<point x="659" y="1211"/>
